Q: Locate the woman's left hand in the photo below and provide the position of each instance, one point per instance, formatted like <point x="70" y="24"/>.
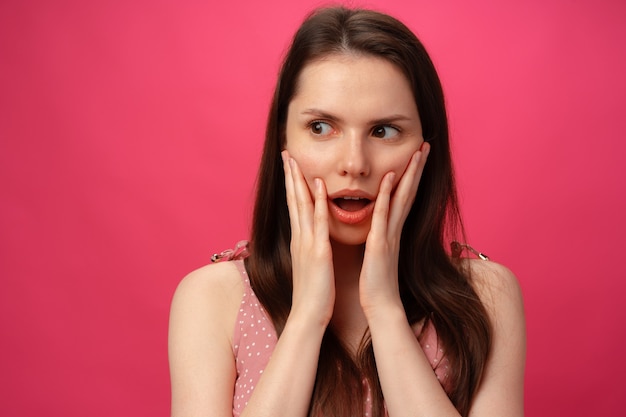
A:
<point x="378" y="284"/>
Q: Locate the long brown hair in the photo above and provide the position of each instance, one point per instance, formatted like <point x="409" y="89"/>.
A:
<point x="433" y="287"/>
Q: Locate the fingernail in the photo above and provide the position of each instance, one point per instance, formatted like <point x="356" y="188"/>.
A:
<point x="392" y="177"/>
<point x="292" y="163"/>
<point x="318" y="183"/>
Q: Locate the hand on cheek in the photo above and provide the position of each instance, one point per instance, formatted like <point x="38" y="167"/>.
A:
<point x="311" y="254"/>
<point x="378" y="285"/>
<point x="405" y="193"/>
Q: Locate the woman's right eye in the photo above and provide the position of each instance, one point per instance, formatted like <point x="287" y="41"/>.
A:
<point x="320" y="128"/>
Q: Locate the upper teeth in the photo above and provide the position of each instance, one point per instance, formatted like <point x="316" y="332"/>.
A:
<point x="351" y="198"/>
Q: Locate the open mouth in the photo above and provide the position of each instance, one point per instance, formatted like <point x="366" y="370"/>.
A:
<point x="351" y="206"/>
<point x="351" y="203"/>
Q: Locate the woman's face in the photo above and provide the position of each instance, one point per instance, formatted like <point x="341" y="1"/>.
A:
<point x="352" y="120"/>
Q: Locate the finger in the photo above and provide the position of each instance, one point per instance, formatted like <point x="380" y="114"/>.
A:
<point x="291" y="195"/>
<point x="320" y="215"/>
<point x="381" y="206"/>
<point x="304" y="204"/>
<point x="406" y="190"/>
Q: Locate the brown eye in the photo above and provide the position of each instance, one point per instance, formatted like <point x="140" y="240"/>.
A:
<point x="379" y="132"/>
<point x="320" y="128"/>
<point x="385" y="132"/>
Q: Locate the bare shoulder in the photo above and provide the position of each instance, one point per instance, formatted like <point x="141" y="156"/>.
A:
<point x="213" y="291"/>
<point x="496" y="285"/>
<point x="202" y="322"/>
<point x="212" y="281"/>
<point x="501" y="391"/>
<point x="222" y="274"/>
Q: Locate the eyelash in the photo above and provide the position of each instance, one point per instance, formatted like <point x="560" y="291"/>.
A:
<point x="314" y="122"/>
<point x="397" y="129"/>
<point x="382" y="126"/>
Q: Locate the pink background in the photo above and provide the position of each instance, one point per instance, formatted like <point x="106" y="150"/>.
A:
<point x="130" y="132"/>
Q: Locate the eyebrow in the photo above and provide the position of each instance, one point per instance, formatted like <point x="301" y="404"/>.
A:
<point x="328" y="116"/>
<point x="321" y="114"/>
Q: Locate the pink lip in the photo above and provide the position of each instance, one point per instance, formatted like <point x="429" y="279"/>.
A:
<point x="352" y="193"/>
<point x="351" y="217"/>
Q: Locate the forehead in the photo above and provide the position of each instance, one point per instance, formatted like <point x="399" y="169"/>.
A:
<point x="341" y="81"/>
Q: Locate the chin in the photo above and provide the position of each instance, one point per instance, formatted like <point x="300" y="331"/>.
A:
<point x="351" y="235"/>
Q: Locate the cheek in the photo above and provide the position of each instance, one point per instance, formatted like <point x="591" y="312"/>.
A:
<point x="399" y="166"/>
<point x="309" y="166"/>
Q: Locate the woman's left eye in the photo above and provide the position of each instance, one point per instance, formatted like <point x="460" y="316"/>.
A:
<point x="385" y="132"/>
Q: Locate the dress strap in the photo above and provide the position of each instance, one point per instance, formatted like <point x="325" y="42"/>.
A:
<point x="239" y="252"/>
<point x="457" y="248"/>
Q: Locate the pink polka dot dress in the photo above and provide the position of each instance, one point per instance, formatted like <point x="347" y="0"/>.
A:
<point x="255" y="338"/>
<point x="253" y="342"/>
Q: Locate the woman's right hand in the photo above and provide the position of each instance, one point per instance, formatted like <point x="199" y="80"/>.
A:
<point x="311" y="253"/>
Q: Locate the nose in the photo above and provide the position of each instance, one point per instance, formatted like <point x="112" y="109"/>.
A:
<point x="354" y="158"/>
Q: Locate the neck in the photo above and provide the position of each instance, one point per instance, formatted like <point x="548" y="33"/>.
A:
<point x="347" y="261"/>
<point x="348" y="320"/>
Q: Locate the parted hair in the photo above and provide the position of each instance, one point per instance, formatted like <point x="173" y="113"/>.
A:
<point x="434" y="287"/>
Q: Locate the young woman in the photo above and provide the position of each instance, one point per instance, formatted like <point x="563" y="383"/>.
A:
<point x="350" y="301"/>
